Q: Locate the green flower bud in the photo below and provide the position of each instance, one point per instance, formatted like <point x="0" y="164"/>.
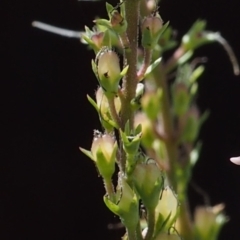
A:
<point x="97" y="39"/>
<point x="108" y="70"/>
<point x="151" y="104"/>
<point x="190" y="125"/>
<point x="103" y="108"/>
<point x="147" y="129"/>
<point x="103" y="150"/>
<point x="166" y="210"/>
<point x="209" y="221"/>
<point x="148" y="182"/>
<point x="151" y="31"/>
<point x="126" y="206"/>
<point x="196" y="36"/>
<point x="181" y="99"/>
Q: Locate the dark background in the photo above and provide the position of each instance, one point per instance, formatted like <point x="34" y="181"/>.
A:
<point x="48" y="189"/>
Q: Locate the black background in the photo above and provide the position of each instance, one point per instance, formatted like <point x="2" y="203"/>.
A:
<point x="49" y="190"/>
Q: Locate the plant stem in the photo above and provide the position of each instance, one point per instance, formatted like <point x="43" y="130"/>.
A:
<point x="129" y="83"/>
<point x="184" y="220"/>
<point x="184" y="224"/>
<point x="151" y="223"/>
<point x="172" y="62"/>
<point x="113" y="111"/>
<point x="109" y="189"/>
<point x="167" y="118"/>
<point x="130" y="58"/>
<point x="131" y="234"/>
<point x="139" y="231"/>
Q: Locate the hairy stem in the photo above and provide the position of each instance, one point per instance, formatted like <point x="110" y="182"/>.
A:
<point x="130" y="58"/>
<point x="109" y="189"/>
<point x="130" y="80"/>
<point x="113" y="111"/>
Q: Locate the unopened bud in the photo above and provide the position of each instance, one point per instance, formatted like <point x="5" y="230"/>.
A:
<point x="151" y="103"/>
<point x="208" y="221"/>
<point x="108" y="70"/>
<point x="181" y="99"/>
<point x="190" y="125"/>
<point x="147" y="129"/>
<point x="151" y="31"/>
<point x="148" y="181"/>
<point x="167" y="209"/>
<point x="103" y="150"/>
<point x="104" y="110"/>
<point x="97" y="39"/>
<point x="126" y="206"/>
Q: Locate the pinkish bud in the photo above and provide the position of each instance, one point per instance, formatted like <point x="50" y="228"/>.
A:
<point x="97" y="39"/>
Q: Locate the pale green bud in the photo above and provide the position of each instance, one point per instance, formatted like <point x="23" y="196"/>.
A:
<point x="148" y="182"/>
<point x="151" y="31"/>
<point x="181" y="98"/>
<point x="209" y="221"/>
<point x="103" y="150"/>
<point x="104" y="110"/>
<point x="167" y="209"/>
<point x="190" y="125"/>
<point x="147" y="129"/>
<point x="151" y="104"/>
<point x="108" y="70"/>
<point x="126" y="206"/>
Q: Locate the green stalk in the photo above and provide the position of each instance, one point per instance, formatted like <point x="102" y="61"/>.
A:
<point x="129" y="83"/>
<point x="184" y="220"/>
<point x="151" y="223"/>
<point x="109" y="189"/>
<point x="167" y="118"/>
<point x="130" y="58"/>
<point x="139" y="231"/>
<point x="131" y="234"/>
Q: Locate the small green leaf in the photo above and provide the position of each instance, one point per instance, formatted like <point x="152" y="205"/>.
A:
<point x="196" y="74"/>
<point x="124" y="71"/>
<point x="87" y="153"/>
<point x="152" y="67"/>
<point x="185" y="57"/>
<point x="194" y="155"/>
<point x="103" y="22"/>
<point x="111" y="206"/>
<point x="93" y="103"/>
<point x="109" y="9"/>
<point x="88" y="31"/>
